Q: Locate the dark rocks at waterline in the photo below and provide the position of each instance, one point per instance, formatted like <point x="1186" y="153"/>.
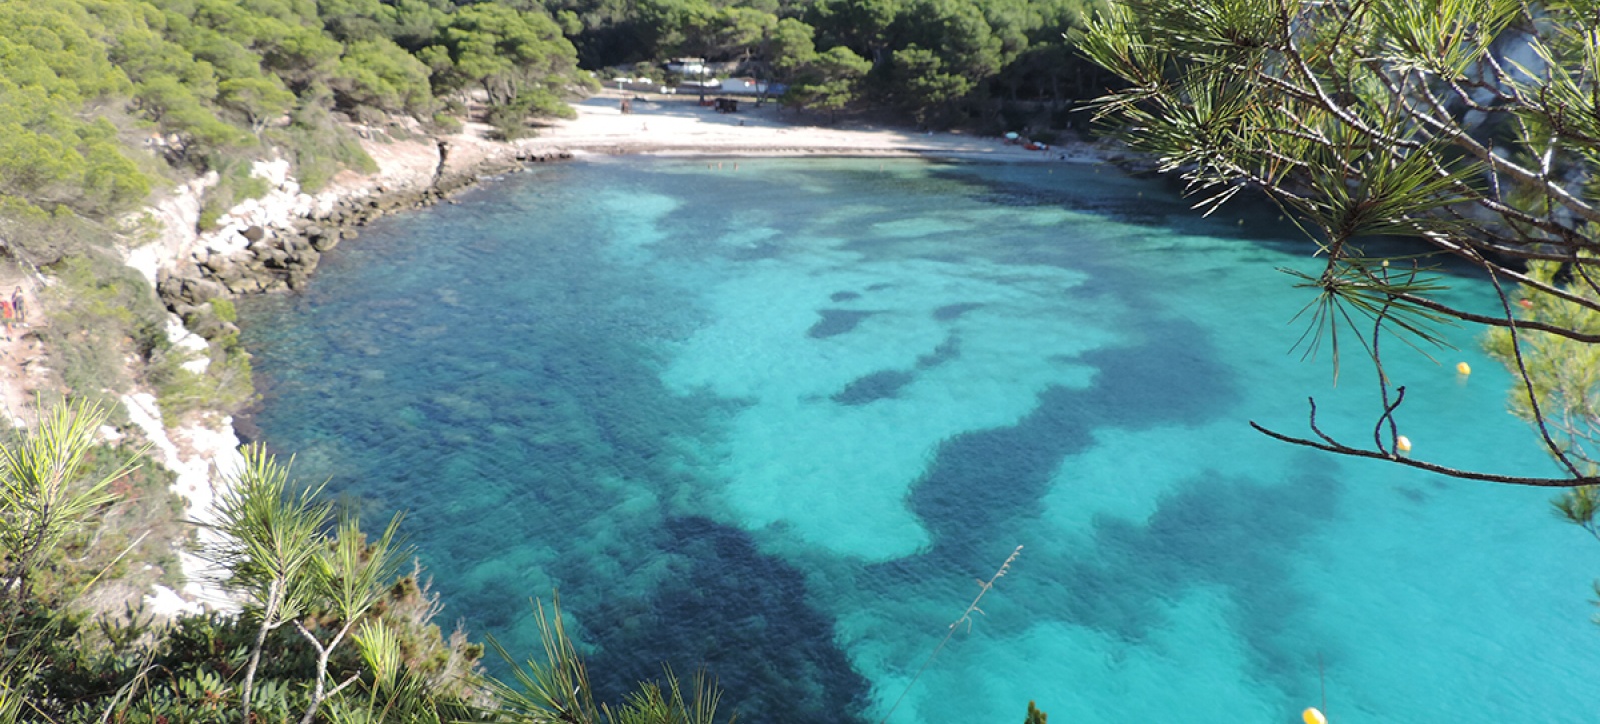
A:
<point x="205" y="322"/>
<point x="286" y="259"/>
<point x="177" y="287"/>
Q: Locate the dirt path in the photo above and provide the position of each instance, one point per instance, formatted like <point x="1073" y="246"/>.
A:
<point x="22" y="358"/>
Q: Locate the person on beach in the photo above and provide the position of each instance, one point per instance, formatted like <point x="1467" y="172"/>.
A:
<point x="17" y="308"/>
<point x="6" y="314"/>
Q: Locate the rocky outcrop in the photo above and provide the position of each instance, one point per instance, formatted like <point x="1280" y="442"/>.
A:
<point x="204" y="458"/>
<point x="274" y="243"/>
<point x="263" y="245"/>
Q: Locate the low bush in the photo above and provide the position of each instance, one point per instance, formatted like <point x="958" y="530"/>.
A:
<point x="102" y="316"/>
<point x="224" y="386"/>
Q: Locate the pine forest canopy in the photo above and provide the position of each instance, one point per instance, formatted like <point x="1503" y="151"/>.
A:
<point x="946" y="61"/>
<point x="104" y="101"/>
<point x="88" y="83"/>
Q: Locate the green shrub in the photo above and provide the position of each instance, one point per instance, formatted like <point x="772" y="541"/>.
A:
<point x="235" y="184"/>
<point x="39" y="237"/>
<point x="320" y="146"/>
<point x="509" y="122"/>
<point x="101" y="312"/>
<point x="446" y="124"/>
<point x="225" y="385"/>
<point x="225" y="310"/>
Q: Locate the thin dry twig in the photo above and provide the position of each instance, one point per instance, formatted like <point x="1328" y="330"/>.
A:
<point x="966" y="618"/>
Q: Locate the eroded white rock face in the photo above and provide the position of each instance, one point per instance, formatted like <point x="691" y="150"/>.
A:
<point x="205" y="455"/>
<point x="168" y="603"/>
<point x="173" y="222"/>
<point x="183" y="339"/>
<point x="275" y="171"/>
<point x="204" y="460"/>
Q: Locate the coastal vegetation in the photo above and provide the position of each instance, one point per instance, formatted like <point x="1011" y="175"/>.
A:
<point x="105" y="101"/>
<point x="337" y="626"/>
<point x="996" y="66"/>
<point x="1469" y="127"/>
<point x="108" y="103"/>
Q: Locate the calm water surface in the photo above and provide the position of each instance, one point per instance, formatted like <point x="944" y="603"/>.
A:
<point x="776" y="421"/>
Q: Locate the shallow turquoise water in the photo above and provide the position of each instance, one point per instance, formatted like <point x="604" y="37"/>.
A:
<point x="776" y="421"/>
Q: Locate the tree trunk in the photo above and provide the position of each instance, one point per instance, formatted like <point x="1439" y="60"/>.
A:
<point x="320" y="692"/>
<point x="274" y="595"/>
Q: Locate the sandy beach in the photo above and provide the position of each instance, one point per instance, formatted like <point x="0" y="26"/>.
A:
<point x="679" y="125"/>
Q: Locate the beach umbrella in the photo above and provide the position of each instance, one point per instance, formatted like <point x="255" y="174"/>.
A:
<point x="1012" y="135"/>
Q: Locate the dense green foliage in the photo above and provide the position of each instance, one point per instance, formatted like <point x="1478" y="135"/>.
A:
<point x="104" y="101"/>
<point x="332" y="628"/>
<point x="88" y="84"/>
<point x="992" y="64"/>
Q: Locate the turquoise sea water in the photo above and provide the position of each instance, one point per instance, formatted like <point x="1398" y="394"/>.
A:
<point x="775" y="422"/>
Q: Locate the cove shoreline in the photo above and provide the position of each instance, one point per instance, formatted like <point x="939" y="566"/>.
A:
<point x="274" y="243"/>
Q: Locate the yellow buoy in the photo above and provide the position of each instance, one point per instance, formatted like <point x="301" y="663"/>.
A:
<point x="1404" y="443"/>
<point x="1464" y="368"/>
<point x="1312" y="716"/>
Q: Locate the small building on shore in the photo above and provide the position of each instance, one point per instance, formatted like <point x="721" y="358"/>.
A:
<point x="700" y="86"/>
<point x="687" y="67"/>
<point x="749" y="86"/>
<point x="644" y="85"/>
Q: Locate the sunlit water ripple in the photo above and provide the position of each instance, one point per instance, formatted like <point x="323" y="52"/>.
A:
<point x="776" y="421"/>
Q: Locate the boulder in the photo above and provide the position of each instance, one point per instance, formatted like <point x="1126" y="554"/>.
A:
<point x="201" y="291"/>
<point x="224" y="269"/>
<point x="207" y="324"/>
<point x="178" y="289"/>
<point x="324" y="241"/>
<point x="185" y="310"/>
<point x="253" y="233"/>
<point x="275" y="258"/>
<point x="240" y="285"/>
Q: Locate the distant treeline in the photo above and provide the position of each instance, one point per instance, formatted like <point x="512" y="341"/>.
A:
<point x="100" y="99"/>
<point x="942" y="61"/>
